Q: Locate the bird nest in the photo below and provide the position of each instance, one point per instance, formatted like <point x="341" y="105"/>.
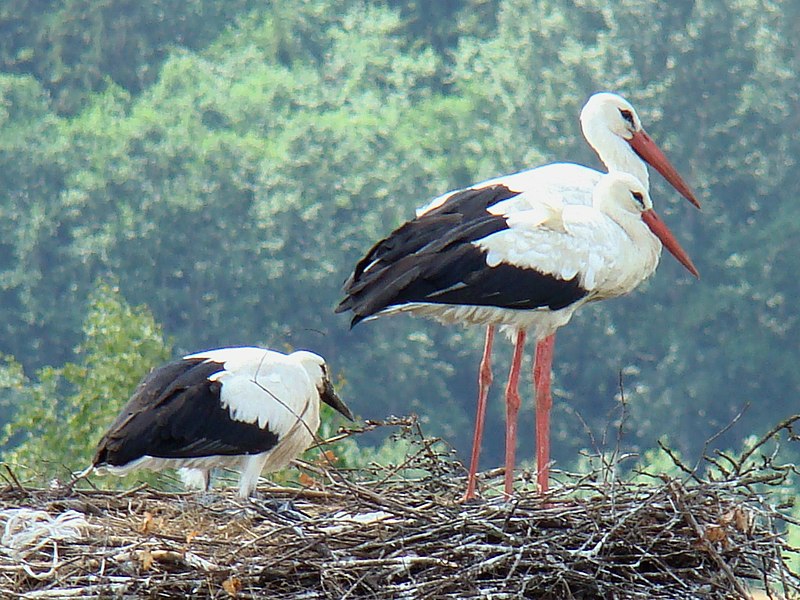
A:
<point x="401" y="532"/>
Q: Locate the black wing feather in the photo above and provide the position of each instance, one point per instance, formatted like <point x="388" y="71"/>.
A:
<point x="433" y="259"/>
<point x="461" y="207"/>
<point x="175" y="412"/>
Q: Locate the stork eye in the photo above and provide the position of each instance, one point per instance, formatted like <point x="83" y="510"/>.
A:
<point x="627" y="115"/>
<point x="639" y="197"/>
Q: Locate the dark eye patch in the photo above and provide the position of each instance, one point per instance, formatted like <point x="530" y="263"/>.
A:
<point x="627" y="115"/>
<point x="639" y="197"/>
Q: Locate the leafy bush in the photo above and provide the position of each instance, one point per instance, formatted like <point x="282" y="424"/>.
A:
<point x="61" y="412"/>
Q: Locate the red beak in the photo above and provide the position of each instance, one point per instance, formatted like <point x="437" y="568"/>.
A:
<point x="647" y="149"/>
<point x="662" y="232"/>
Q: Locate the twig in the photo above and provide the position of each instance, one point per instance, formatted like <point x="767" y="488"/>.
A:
<point x="678" y="491"/>
<point x="692" y="473"/>
<point x="11" y="474"/>
<point x="785" y="424"/>
<point x="373" y="534"/>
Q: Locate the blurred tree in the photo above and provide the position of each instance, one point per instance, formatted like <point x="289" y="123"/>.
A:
<point x="233" y="187"/>
<point x="214" y="211"/>
<point x="63" y="411"/>
<point x="712" y="81"/>
<point x="34" y="162"/>
<point x="73" y="47"/>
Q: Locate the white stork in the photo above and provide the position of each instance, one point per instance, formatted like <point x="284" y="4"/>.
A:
<point x="470" y="260"/>
<point x="248" y="408"/>
<point x="613" y="129"/>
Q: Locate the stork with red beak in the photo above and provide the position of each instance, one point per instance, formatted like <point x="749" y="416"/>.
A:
<point x="471" y="261"/>
<point x="613" y="128"/>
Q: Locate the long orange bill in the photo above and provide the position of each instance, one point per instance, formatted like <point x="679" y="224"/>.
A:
<point x="647" y="149"/>
<point x="662" y="232"/>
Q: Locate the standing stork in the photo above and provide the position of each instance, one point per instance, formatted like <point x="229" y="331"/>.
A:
<point x="613" y="129"/>
<point x="247" y="408"/>
<point x="470" y="260"/>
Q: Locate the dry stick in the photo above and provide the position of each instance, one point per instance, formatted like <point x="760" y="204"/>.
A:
<point x="385" y="502"/>
<point x="706" y="543"/>
<point x="731" y="460"/>
<point x="778" y="561"/>
<point x="20" y="487"/>
<point x="467" y="535"/>
<point x="132" y="491"/>
<point x="586" y="429"/>
<point x="730" y="424"/>
<point x="369" y="425"/>
<point x="692" y="473"/>
<point x="376" y="498"/>
<point x="711" y="440"/>
<point x="407" y="461"/>
<point x="615" y="457"/>
<point x="298" y="492"/>
<point x="785" y="424"/>
<point x="515" y="566"/>
<point x="400" y="561"/>
<point x="725" y="472"/>
<point x="283" y="557"/>
<point x="89" y="591"/>
<point x="7" y="480"/>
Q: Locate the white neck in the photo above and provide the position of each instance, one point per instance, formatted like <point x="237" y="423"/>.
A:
<point x="614" y="151"/>
<point x="637" y="259"/>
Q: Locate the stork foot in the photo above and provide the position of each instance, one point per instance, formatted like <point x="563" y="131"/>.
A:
<point x="470" y="500"/>
<point x="282" y="508"/>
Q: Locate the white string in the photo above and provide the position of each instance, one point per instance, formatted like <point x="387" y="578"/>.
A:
<point x="27" y="531"/>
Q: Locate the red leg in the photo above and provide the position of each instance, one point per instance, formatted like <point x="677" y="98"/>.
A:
<point x="512" y="410"/>
<point x="484" y="381"/>
<point x="544" y="401"/>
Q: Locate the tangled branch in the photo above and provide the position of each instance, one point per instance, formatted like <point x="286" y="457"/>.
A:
<point x="399" y="531"/>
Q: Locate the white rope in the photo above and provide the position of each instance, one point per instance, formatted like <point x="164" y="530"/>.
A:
<point x="27" y="531"/>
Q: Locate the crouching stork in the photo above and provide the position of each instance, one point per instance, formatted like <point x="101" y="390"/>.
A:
<point x="246" y="408"/>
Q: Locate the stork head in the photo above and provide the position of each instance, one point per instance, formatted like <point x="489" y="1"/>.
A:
<point x="622" y="193"/>
<point x="611" y="112"/>
<point x="318" y="371"/>
<point x="606" y="117"/>
<point x="619" y="191"/>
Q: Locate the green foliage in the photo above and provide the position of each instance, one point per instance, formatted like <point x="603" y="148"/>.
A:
<point x="704" y="79"/>
<point x="75" y="47"/>
<point x="793" y="538"/>
<point x="230" y="174"/>
<point x="62" y="412"/>
<point x="351" y="453"/>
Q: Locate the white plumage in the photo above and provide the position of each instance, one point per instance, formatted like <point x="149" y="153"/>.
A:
<point x="267" y="387"/>
<point x="540" y="252"/>
<point x="606" y="245"/>
<point x="613" y="129"/>
<point x="247" y="408"/>
<point x="586" y="252"/>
